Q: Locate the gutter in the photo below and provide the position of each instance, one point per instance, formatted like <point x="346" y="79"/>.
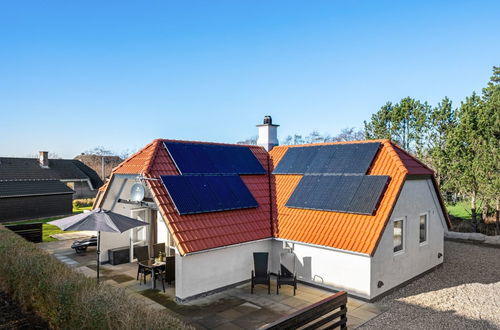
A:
<point x="227" y="246"/>
<point x="79" y="180"/>
<point x="279" y="240"/>
<point x="322" y="247"/>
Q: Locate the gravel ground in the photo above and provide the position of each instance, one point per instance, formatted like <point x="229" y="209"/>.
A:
<point x="462" y="294"/>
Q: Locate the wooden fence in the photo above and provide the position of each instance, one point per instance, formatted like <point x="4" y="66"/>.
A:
<point x="328" y="313"/>
<point x="30" y="231"/>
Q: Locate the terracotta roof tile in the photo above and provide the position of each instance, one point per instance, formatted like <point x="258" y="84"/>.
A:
<point x="196" y="232"/>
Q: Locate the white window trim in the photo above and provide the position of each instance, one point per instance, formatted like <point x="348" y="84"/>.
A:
<point x="402" y="251"/>
<point x="427" y="217"/>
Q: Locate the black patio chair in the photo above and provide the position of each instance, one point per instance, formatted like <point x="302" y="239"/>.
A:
<point x="260" y="274"/>
<point x="142" y="254"/>
<point x="286" y="274"/>
<point x="168" y="275"/>
<point x="157" y="248"/>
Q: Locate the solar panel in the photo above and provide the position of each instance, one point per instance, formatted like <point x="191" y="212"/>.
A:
<point x="340" y="193"/>
<point x="351" y="158"/>
<point x="207" y="193"/>
<point x="197" y="158"/>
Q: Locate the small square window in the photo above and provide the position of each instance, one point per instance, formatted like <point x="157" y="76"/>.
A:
<point x="423" y="228"/>
<point x="398" y="235"/>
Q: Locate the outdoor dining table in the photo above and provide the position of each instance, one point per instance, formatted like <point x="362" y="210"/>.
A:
<point x="155" y="267"/>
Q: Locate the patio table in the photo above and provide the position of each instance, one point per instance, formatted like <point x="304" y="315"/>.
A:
<point x="155" y="267"/>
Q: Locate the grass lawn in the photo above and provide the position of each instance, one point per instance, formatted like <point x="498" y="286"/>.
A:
<point x="460" y="210"/>
<point x="50" y="229"/>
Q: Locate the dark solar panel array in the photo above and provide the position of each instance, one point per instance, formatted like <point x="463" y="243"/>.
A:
<point x="351" y="158"/>
<point x="196" y="158"/>
<point x="340" y="193"/>
<point x="207" y="193"/>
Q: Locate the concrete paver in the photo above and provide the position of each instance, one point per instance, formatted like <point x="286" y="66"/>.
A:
<point x="235" y="308"/>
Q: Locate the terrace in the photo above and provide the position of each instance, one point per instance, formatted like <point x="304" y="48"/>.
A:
<point x="234" y="308"/>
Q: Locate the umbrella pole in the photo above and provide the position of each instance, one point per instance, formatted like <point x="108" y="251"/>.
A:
<point x="98" y="252"/>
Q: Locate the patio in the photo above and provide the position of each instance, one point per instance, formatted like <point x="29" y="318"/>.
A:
<point x="234" y="308"/>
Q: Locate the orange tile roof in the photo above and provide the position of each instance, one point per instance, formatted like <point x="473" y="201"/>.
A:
<point x="196" y="232"/>
<point x="345" y="231"/>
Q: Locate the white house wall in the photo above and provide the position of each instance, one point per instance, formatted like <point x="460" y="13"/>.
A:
<point x="417" y="197"/>
<point x="119" y="188"/>
<point x="337" y="270"/>
<point x="207" y="271"/>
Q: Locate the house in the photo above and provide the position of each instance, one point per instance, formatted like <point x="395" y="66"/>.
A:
<point x="101" y="164"/>
<point x="361" y="216"/>
<point x="36" y="188"/>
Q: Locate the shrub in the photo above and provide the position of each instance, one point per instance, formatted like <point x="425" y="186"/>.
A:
<point x="66" y="299"/>
<point x="83" y="202"/>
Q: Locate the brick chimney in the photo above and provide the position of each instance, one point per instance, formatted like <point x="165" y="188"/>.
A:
<point x="268" y="134"/>
<point x="44" y="159"/>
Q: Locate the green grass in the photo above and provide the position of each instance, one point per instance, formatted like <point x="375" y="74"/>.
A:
<point x="51" y="229"/>
<point x="460" y="210"/>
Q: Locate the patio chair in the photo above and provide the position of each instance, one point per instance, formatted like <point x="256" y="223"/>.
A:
<point x="157" y="248"/>
<point x="142" y="254"/>
<point x="286" y="274"/>
<point x="260" y="274"/>
<point x="169" y="274"/>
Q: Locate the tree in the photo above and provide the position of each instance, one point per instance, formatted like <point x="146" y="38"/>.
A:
<point x="405" y="123"/>
<point x="379" y="126"/>
<point x="464" y="147"/>
<point x="346" y="134"/>
<point x="250" y="141"/>
<point x="441" y="122"/>
<point x="489" y="121"/>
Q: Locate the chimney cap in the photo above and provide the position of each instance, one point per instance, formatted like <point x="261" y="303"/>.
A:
<point x="268" y="121"/>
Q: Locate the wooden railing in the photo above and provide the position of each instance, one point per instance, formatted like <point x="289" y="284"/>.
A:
<point x="328" y="313"/>
<point x="30" y="231"/>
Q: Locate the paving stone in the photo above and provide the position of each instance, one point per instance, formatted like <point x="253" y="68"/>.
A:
<point x="247" y="307"/>
<point x="353" y="322"/>
<point x="212" y="321"/>
<point x="362" y="314"/>
<point x="372" y="308"/>
<point x="228" y="326"/>
<point x="230" y="314"/>
<point x="295" y="302"/>
<point x="354" y="303"/>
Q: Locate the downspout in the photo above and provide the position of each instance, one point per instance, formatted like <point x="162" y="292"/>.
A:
<point x="270" y="193"/>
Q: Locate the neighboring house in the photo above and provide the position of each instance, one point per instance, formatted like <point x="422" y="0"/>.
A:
<point x="35" y="188"/>
<point x="360" y="216"/>
<point x="102" y="165"/>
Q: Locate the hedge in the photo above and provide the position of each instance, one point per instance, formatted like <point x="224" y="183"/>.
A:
<point x="67" y="299"/>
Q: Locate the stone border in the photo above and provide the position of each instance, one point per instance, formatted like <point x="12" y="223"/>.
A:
<point x="473" y="237"/>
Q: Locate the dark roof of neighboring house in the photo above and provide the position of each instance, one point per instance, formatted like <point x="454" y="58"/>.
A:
<point x="94" y="178"/>
<point x="59" y="169"/>
<point x="32" y="188"/>
<point x="273" y="218"/>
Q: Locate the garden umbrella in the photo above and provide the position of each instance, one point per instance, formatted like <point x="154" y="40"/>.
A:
<point x="98" y="220"/>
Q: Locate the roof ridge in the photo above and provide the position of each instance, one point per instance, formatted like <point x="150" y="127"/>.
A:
<point x="150" y="162"/>
<point x="410" y="155"/>
<point x="128" y="159"/>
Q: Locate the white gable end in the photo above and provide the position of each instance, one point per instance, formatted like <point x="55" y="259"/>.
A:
<point x="417" y="199"/>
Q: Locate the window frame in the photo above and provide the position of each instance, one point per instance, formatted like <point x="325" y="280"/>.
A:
<point x="426" y="214"/>
<point x="403" y="235"/>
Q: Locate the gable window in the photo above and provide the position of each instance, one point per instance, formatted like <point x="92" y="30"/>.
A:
<point x="423" y="228"/>
<point x="398" y="235"/>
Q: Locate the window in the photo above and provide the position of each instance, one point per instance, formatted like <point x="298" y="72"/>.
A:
<point x="398" y="235"/>
<point x="423" y="228"/>
<point x="171" y="245"/>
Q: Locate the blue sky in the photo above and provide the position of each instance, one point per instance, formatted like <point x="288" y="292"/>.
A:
<point x="79" y="74"/>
